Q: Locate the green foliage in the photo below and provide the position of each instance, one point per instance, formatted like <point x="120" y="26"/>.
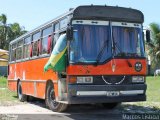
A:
<point x="154" y="45"/>
<point x="9" y="32"/>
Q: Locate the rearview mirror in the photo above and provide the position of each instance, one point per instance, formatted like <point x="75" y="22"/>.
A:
<point x="69" y="33"/>
<point x="148" y="36"/>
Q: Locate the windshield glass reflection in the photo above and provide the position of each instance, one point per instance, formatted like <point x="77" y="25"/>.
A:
<point x="128" y="41"/>
<point x="87" y="43"/>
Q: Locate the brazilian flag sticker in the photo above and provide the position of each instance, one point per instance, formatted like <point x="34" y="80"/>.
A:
<point x="57" y="60"/>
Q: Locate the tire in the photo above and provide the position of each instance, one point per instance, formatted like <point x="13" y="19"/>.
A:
<point x="110" y="105"/>
<point x="51" y="101"/>
<point x="20" y="94"/>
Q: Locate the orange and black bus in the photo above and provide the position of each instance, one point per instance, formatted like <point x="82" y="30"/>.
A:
<point x="105" y="59"/>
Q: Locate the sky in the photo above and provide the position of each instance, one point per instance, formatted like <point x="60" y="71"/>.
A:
<point x="33" y="13"/>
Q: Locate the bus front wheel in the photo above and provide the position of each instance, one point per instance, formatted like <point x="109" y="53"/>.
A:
<point x="20" y="94"/>
<point x="51" y="102"/>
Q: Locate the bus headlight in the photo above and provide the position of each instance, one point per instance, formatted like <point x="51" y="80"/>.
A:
<point x="84" y="79"/>
<point x="138" y="79"/>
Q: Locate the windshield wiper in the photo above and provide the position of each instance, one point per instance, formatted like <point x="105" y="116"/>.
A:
<point x="99" y="56"/>
<point x="121" y="53"/>
<point x="116" y="46"/>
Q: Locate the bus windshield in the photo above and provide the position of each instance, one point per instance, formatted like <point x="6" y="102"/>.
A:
<point x="88" y="42"/>
<point x="128" y="41"/>
<point x="92" y="41"/>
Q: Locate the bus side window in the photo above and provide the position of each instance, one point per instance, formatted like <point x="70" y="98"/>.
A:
<point x="19" y="54"/>
<point x="34" y="48"/>
<point x="45" y="33"/>
<point x="26" y="49"/>
<point x="35" y="40"/>
<point x="56" y="31"/>
<point x="13" y="56"/>
<point x="13" y="52"/>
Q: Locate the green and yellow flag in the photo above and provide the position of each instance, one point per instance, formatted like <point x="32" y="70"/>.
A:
<point x="57" y="60"/>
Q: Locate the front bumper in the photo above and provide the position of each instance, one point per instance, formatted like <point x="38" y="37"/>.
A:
<point x="81" y="94"/>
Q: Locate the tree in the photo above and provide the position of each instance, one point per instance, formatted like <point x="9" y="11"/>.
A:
<point x="17" y="30"/>
<point x="3" y="30"/>
<point x="9" y="32"/>
<point x="154" y="45"/>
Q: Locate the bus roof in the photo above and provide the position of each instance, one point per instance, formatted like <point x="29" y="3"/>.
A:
<point x="98" y="13"/>
<point x="109" y="13"/>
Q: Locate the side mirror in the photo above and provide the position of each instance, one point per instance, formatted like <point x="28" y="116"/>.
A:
<point x="148" y="36"/>
<point x="69" y="33"/>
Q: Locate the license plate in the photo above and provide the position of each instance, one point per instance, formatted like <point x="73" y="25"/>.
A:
<point x="113" y="93"/>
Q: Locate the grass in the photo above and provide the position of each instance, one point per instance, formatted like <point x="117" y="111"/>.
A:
<point x="153" y="90"/>
<point x="3" y="82"/>
<point x="7" y="97"/>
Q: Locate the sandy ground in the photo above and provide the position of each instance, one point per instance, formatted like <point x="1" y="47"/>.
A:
<point x="24" y="109"/>
<point x="37" y="111"/>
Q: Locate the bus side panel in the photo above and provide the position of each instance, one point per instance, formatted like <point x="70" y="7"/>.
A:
<point x="12" y="72"/>
<point x="40" y="92"/>
<point x="33" y="78"/>
<point x="24" y="87"/>
<point x="19" y="70"/>
<point x="12" y="82"/>
<point x="33" y="72"/>
<point x="29" y="88"/>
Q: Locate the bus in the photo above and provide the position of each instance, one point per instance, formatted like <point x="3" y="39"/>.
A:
<point x="105" y="60"/>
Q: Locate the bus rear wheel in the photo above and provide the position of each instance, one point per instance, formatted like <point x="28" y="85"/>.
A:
<point x="20" y="94"/>
<point x="51" y="102"/>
